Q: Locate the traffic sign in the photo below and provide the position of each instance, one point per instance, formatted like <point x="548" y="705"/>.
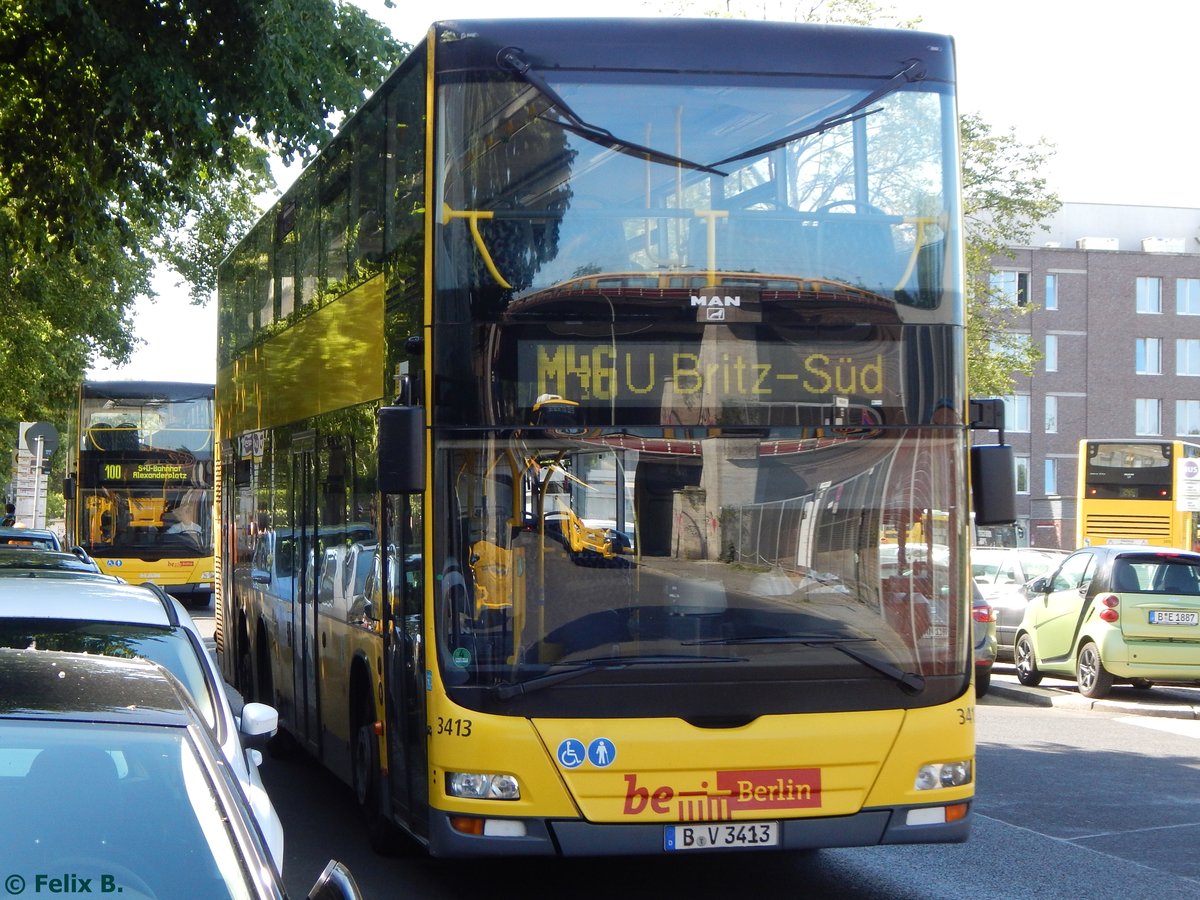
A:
<point x="47" y="432"/>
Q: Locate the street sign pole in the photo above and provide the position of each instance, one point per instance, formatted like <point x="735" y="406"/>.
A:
<point x="40" y="446"/>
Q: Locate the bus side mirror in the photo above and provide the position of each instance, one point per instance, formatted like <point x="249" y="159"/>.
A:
<point x="69" y="487"/>
<point x="401" y="450"/>
<point x="993" y="484"/>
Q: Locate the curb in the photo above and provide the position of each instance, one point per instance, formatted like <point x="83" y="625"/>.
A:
<point x="1068" y="699"/>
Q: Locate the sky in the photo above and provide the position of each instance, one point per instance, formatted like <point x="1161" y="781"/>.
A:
<point x="1113" y="92"/>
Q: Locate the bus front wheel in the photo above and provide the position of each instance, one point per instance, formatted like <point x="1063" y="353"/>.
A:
<point x="367" y="780"/>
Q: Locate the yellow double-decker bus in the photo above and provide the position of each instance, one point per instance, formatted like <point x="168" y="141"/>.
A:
<point x="140" y="482"/>
<point x="1136" y="491"/>
<point x="564" y="404"/>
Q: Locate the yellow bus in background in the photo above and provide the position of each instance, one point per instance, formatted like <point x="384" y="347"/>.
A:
<point x="564" y="403"/>
<point x="139" y="483"/>
<point x="1136" y="491"/>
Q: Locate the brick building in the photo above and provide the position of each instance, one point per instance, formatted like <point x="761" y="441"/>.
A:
<point x="1115" y="297"/>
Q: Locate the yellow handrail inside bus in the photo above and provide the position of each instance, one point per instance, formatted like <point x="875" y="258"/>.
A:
<point x="473" y="216"/>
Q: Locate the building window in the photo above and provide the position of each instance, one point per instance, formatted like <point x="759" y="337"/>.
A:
<point x="1012" y="287"/>
<point x="1051" y="415"/>
<point x="1148" y="416"/>
<point x="1021" y="464"/>
<point x="1016" y="412"/>
<point x="1187" y="296"/>
<point x="1187" y="417"/>
<point x="1051" y="292"/>
<point x="1149" y="295"/>
<point x="1187" y="357"/>
<point x="1050" y="477"/>
<point x="1148" y="355"/>
<point x="1052" y="353"/>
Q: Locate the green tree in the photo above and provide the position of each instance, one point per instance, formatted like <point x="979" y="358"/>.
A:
<point x="1005" y="196"/>
<point x="138" y="131"/>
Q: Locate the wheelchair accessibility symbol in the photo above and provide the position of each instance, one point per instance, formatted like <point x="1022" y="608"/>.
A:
<point x="600" y="753"/>
<point x="571" y="754"/>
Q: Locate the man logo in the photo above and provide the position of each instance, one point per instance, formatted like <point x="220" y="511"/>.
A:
<point x="715" y="314"/>
<point x="716" y="301"/>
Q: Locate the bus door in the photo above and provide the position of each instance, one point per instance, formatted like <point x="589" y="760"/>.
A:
<point x="304" y="603"/>
<point x="404" y="665"/>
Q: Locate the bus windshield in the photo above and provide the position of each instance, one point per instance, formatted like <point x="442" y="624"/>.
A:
<point x="767" y="176"/>
<point x="695" y="431"/>
<point x="145" y="474"/>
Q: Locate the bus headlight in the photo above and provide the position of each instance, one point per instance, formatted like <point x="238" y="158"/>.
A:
<point x="480" y="786"/>
<point x="943" y="775"/>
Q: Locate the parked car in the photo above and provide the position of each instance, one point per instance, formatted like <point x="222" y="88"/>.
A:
<point x="1002" y="573"/>
<point x="31" y="560"/>
<point x="111" y="783"/>
<point x="984" y="618"/>
<point x="97" y="615"/>
<point x="41" y="538"/>
<point x="1114" y="613"/>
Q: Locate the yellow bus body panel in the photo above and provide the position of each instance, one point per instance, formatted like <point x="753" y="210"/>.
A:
<point x="165" y="572"/>
<point x="665" y="770"/>
<point x="329" y="360"/>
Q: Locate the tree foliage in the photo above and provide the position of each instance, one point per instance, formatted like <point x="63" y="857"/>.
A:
<point x="1005" y="196"/>
<point x="136" y="131"/>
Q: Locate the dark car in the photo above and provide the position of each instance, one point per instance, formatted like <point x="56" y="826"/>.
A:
<point x="984" y="618"/>
<point x="33" y="561"/>
<point x="1114" y="613"/>
<point x="41" y="538"/>
<point x="109" y="779"/>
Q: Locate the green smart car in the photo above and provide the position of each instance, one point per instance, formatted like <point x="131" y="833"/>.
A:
<point x="1115" y="613"/>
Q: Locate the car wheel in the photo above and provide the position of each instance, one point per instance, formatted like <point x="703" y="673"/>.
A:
<point x="1094" y="680"/>
<point x="1027" y="670"/>
<point x="1141" y="684"/>
<point x="983" y="680"/>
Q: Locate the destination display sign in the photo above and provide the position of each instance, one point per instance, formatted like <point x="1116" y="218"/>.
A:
<point x="147" y="472"/>
<point x="645" y="373"/>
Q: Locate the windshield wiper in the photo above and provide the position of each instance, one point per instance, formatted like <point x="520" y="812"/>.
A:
<point x="510" y="59"/>
<point x="910" y="681"/>
<point x="914" y="71"/>
<point x="508" y="690"/>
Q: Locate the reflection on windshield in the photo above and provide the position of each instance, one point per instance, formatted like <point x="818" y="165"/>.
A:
<point x="824" y="193"/>
<point x="687" y="407"/>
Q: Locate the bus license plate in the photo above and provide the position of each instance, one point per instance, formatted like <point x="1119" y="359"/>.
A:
<point x="717" y="835"/>
<point x="1173" y="617"/>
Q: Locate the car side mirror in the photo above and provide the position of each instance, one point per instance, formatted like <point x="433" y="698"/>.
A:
<point x="258" y="723"/>
<point x="1039" y="586"/>
<point x="335" y="883"/>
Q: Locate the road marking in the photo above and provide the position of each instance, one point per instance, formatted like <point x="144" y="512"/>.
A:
<point x="1184" y="727"/>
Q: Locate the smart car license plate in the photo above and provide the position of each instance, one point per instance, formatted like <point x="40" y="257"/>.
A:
<point x="716" y="835"/>
<point x="1173" y="617"/>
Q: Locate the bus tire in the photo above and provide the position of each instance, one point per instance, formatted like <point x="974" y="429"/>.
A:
<point x="368" y="779"/>
<point x="1027" y="668"/>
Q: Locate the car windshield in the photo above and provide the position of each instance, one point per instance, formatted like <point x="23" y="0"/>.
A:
<point x="169" y="647"/>
<point x="129" y="807"/>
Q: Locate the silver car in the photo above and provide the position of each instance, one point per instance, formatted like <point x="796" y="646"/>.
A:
<point x="111" y="783"/>
<point x="92" y="614"/>
<point x="1001" y="574"/>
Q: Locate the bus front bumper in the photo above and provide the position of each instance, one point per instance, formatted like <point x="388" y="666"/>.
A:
<point x="558" y="837"/>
